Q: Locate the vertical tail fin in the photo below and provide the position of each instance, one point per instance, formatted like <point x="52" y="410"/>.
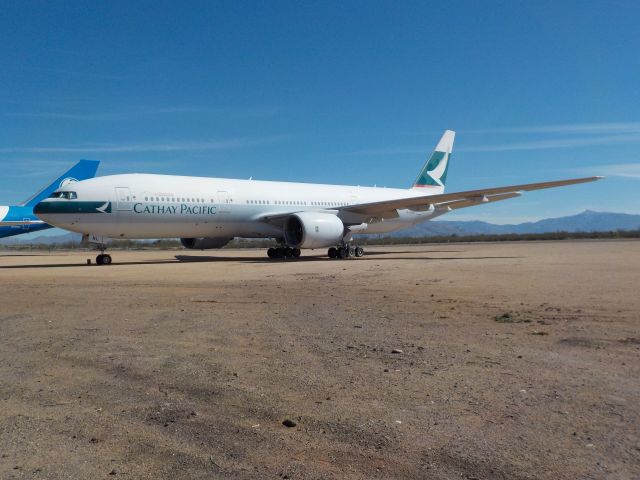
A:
<point x="434" y="172"/>
<point x="82" y="170"/>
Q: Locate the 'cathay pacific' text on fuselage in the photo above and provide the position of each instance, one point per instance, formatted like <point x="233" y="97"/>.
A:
<point x="182" y="209"/>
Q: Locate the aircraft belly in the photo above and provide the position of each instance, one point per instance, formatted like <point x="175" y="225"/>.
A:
<point x="157" y="223"/>
<point x="386" y="226"/>
<point x="255" y="229"/>
<point x="406" y="219"/>
<point x="148" y="230"/>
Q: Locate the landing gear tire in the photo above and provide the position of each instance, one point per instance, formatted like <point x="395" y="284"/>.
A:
<point x="283" y="252"/>
<point x="346" y="251"/>
<point x="103" y="259"/>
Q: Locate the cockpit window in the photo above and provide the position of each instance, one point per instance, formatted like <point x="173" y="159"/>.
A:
<point x="65" y="195"/>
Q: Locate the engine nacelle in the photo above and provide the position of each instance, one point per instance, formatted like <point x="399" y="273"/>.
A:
<point x="204" y="243"/>
<point x="313" y="230"/>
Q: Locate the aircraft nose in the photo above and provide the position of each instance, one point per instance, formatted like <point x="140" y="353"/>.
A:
<point x="53" y="213"/>
<point x="45" y="209"/>
<point x="39" y="208"/>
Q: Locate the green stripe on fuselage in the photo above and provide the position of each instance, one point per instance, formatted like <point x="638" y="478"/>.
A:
<point x="70" y="206"/>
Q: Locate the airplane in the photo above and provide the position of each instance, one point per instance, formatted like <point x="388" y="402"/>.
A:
<point x="19" y="219"/>
<point x="206" y="213"/>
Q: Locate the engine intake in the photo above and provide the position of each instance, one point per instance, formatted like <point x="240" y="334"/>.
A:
<point x="204" y="243"/>
<point x="313" y="230"/>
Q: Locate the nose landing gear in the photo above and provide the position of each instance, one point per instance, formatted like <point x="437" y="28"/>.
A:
<point x="97" y="243"/>
<point x="103" y="259"/>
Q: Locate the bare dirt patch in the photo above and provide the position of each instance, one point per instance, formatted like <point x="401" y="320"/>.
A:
<point x="396" y="365"/>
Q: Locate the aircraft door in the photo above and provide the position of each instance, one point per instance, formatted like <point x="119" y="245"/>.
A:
<point x="27" y="223"/>
<point x="123" y="199"/>
<point x="224" y="202"/>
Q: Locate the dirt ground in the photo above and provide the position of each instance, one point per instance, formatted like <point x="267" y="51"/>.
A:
<point x="512" y="361"/>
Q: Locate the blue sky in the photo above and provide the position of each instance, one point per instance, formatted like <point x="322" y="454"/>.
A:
<point x="344" y="92"/>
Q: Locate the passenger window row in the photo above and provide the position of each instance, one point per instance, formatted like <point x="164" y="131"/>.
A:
<point x="297" y="202"/>
<point x="176" y="200"/>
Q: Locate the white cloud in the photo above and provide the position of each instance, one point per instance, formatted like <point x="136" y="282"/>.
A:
<point x="175" y="146"/>
<point x="393" y="151"/>
<point x="77" y="115"/>
<point x="256" y="111"/>
<point x="548" y="144"/>
<point x="627" y="170"/>
<point x="579" y="128"/>
<point x="581" y="135"/>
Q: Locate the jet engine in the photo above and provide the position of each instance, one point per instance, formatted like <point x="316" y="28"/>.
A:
<point x="313" y="230"/>
<point x="204" y="243"/>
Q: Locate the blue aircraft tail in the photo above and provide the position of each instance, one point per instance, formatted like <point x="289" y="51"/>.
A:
<point x="82" y="170"/>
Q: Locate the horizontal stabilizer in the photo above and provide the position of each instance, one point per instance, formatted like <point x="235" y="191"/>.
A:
<point x="19" y="223"/>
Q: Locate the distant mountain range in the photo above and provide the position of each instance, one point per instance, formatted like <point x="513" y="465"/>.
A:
<point x="587" y="221"/>
<point x="42" y="239"/>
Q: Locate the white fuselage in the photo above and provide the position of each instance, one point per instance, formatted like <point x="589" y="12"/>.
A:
<point x="163" y="206"/>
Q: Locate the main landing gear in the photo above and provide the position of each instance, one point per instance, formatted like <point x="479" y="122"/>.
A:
<point x="283" y="252"/>
<point x="340" y="252"/>
<point x="345" y="251"/>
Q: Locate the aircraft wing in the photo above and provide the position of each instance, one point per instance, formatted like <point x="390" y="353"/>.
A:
<point x="388" y="208"/>
<point x="17" y="223"/>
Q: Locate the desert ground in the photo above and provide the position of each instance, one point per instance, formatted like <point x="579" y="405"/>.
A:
<point x="460" y="361"/>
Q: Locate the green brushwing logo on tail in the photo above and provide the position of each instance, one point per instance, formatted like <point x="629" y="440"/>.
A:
<point x="434" y="173"/>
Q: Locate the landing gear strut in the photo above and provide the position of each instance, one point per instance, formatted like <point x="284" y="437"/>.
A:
<point x="283" y="252"/>
<point x="345" y="251"/>
<point x="97" y="243"/>
<point x="103" y="258"/>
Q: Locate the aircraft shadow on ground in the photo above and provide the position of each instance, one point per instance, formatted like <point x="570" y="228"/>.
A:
<point x="323" y="258"/>
<point x="93" y="264"/>
<point x="178" y="259"/>
<point x="371" y="259"/>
